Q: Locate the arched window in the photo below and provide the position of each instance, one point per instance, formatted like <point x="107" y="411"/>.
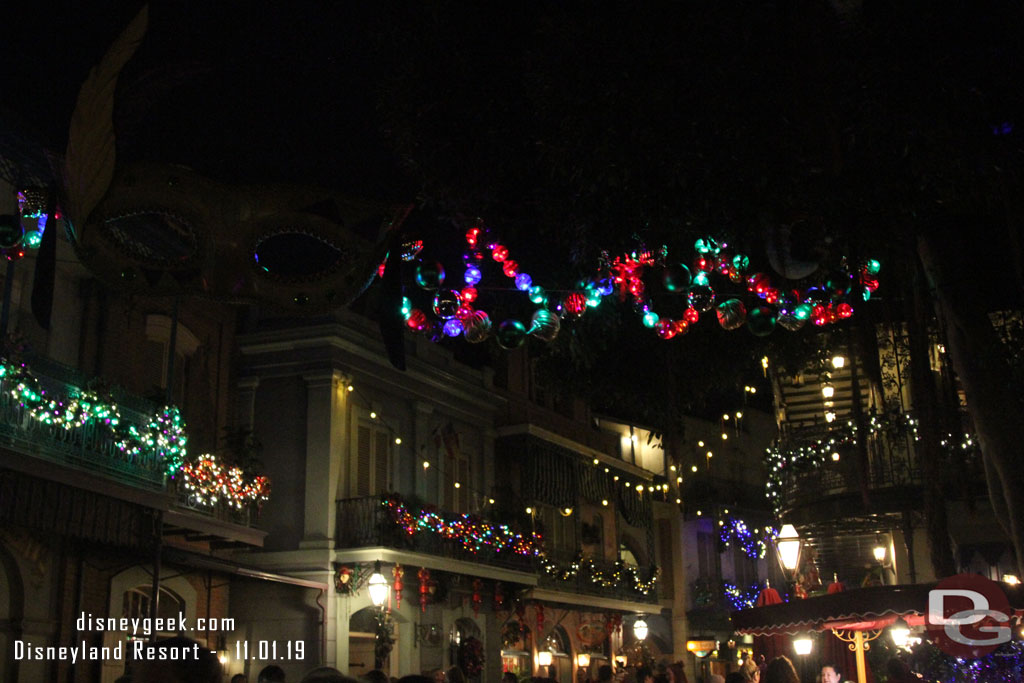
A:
<point x="136" y="605"/>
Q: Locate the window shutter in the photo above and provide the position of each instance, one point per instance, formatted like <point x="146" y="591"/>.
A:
<point x="382" y="463"/>
<point x="363" y="462"/>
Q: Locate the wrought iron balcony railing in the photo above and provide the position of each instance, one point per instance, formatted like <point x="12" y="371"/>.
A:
<point x="91" y="446"/>
<point x="367" y="522"/>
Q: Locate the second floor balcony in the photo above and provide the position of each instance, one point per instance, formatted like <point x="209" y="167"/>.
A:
<point x="57" y="424"/>
<point x="390" y="522"/>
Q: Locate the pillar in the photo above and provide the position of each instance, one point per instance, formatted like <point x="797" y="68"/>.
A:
<point x="325" y="432"/>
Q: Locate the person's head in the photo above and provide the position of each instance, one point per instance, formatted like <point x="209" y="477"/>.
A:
<point x="327" y="674"/>
<point x="717" y="678"/>
<point x="604" y="673"/>
<point x="435" y="675"/>
<point x="239" y="678"/>
<point x="735" y="677"/>
<point x="271" y="674"/>
<point x="644" y="675"/>
<point x="416" y="678"/>
<point x="375" y="676"/>
<point x="830" y="673"/>
<point x="509" y="677"/>
<point x="177" y="660"/>
<point x="780" y="670"/>
<point x="455" y="675"/>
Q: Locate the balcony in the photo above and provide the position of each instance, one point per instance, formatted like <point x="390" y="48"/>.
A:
<point x="92" y="446"/>
<point x="52" y="415"/>
<point x="597" y="578"/>
<point x="813" y="478"/>
<point x="367" y="522"/>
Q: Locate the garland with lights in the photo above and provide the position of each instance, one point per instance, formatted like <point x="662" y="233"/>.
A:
<point x="455" y="313"/>
<point x="622" y="575"/>
<point x="473" y="533"/>
<point x="163" y="436"/>
<point x="1004" y="665"/>
<point x="209" y="483"/>
<point x="734" y="530"/>
<point x="819" y="452"/>
<point x="741" y="599"/>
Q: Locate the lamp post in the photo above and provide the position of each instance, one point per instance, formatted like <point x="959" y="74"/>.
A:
<point x="640" y="629"/>
<point x="900" y="633"/>
<point x="378" y="587"/>
<point x="788" y="544"/>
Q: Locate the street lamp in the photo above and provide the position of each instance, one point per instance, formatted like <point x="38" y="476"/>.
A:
<point x="640" y="629"/>
<point x="788" y="544"/>
<point x="544" y="658"/>
<point x="900" y="633"/>
<point x="838" y="362"/>
<point x="803" y="646"/>
<point x="583" y="660"/>
<point x="879" y="553"/>
<point x="378" y="586"/>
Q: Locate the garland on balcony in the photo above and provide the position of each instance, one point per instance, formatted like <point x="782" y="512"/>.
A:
<point x="741" y="599"/>
<point x="163" y="436"/>
<point x="472" y="532"/>
<point x="208" y="482"/>
<point x="752" y="543"/>
<point x="1005" y="665"/>
<point x="818" y="453"/>
<point x="621" y="575"/>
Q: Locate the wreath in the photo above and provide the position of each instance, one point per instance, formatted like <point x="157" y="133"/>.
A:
<point x="471" y="657"/>
<point x="512" y="633"/>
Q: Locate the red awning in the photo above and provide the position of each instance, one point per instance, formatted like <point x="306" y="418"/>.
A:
<point x="862" y="609"/>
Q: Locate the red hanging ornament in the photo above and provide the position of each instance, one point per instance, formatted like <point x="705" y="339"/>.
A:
<point x="499" y="596"/>
<point x="510" y="268"/>
<point x="478" y="586"/>
<point x="424" y="576"/>
<point x="539" y="610"/>
<point x="691" y="315"/>
<point x="398" y="573"/>
<point x="472" y="235"/>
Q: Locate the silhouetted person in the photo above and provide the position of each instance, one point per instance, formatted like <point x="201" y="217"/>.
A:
<point x="271" y="674"/>
<point x="376" y="676"/>
<point x="780" y="670"/>
<point x="604" y="673"/>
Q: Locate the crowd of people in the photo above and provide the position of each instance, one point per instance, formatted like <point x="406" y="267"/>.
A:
<point x="205" y="668"/>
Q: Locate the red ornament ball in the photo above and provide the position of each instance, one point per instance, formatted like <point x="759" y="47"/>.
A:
<point x="575" y="303"/>
<point x="500" y="253"/>
<point x="510" y="267"/>
<point x="417" y="320"/>
<point x="691" y="315"/>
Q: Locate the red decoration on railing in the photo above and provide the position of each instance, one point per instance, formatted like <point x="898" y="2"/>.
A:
<point x="398" y="573"/>
<point x="499" y="596"/>
<point x="424" y="576"/>
<point x="478" y="586"/>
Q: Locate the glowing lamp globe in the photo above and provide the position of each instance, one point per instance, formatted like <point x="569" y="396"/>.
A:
<point x="803" y="646"/>
<point x="544" y="658"/>
<point x="640" y="629"/>
<point x="900" y="633"/>
<point x="879" y="552"/>
<point x="788" y="544"/>
<point x="583" y="660"/>
<point x="378" y="587"/>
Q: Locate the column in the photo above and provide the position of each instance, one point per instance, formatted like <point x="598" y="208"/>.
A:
<point x="325" y="431"/>
<point x="245" y="402"/>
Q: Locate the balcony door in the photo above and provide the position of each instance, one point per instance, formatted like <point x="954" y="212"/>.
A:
<point x="373" y="462"/>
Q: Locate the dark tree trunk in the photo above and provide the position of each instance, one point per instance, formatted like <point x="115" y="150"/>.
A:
<point x="980" y="362"/>
<point x="927" y="447"/>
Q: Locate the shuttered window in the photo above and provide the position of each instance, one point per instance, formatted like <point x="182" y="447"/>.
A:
<point x="373" y="461"/>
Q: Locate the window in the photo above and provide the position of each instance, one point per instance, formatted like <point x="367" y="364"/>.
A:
<point x="744" y="567"/>
<point x="559" y="530"/>
<point x="709" y="561"/>
<point x="373" y="460"/>
<point x="136" y="604"/>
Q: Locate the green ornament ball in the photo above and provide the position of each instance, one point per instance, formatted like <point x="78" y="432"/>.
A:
<point x="545" y="325"/>
<point x="676" y="277"/>
<point x="429" y="275"/>
<point x="761" y="321"/>
<point x="511" y="334"/>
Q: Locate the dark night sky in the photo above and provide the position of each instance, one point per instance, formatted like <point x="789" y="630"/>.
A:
<point x="238" y="90"/>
